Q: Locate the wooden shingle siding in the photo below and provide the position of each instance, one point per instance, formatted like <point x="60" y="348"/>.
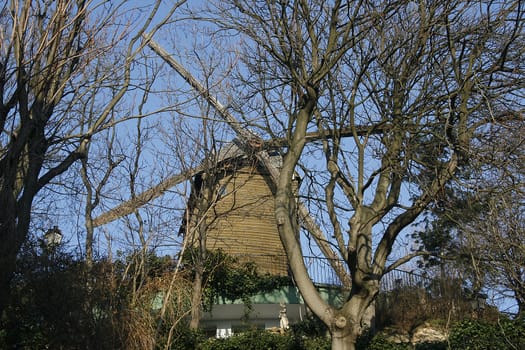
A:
<point x="243" y="223"/>
<point x="239" y="215"/>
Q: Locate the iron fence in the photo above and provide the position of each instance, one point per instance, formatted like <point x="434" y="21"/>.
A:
<point x="396" y="279"/>
<point x="322" y="273"/>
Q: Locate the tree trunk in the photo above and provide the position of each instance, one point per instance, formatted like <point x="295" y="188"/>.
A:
<point x="345" y="339"/>
<point x="520" y="300"/>
<point x="196" y="300"/>
<point x="7" y="266"/>
<point x="14" y="223"/>
<point x="349" y="321"/>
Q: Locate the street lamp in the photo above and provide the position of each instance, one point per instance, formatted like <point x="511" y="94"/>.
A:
<point x="479" y="303"/>
<point x="53" y="237"/>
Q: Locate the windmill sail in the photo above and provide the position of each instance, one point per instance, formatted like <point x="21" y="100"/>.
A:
<point x="249" y="143"/>
<point x="145" y="197"/>
<point x="253" y="144"/>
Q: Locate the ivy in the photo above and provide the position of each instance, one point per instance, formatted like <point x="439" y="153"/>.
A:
<point x="228" y="279"/>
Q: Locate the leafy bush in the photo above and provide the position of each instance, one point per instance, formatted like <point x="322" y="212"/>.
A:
<point x="263" y="340"/>
<point x="227" y="278"/>
<point x="47" y="307"/>
<point x="58" y="302"/>
<point x="432" y="346"/>
<point x="310" y="326"/>
<point x="253" y="340"/>
<point x="480" y="335"/>
<point x="185" y="338"/>
<point x="318" y="343"/>
<point x="380" y="342"/>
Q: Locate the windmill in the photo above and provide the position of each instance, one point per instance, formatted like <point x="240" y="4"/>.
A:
<point x="252" y="163"/>
<point x="239" y="217"/>
<point x="260" y="151"/>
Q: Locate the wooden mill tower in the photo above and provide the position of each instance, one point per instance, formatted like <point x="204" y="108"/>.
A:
<point x="238" y="215"/>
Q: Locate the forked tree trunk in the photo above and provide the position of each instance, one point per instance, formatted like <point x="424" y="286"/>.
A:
<point x="345" y="332"/>
<point x="344" y="340"/>
<point x="196" y="301"/>
<point x="352" y="318"/>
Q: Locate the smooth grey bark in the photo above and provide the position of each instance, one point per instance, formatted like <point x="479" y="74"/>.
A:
<point x="393" y="64"/>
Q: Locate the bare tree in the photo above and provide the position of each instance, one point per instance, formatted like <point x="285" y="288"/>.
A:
<point x="476" y="227"/>
<point x="197" y="150"/>
<point x="377" y="105"/>
<point x="424" y="74"/>
<point x="48" y="50"/>
<point x="206" y="160"/>
<point x="499" y="248"/>
<point x="497" y="233"/>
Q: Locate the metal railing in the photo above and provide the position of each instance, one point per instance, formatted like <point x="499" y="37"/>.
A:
<point x="322" y="273"/>
<point x="396" y="279"/>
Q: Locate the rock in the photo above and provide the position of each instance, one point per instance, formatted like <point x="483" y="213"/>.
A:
<point x="395" y="336"/>
<point x="427" y="333"/>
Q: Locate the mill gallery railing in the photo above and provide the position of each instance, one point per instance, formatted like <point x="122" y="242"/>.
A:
<point x="322" y="273"/>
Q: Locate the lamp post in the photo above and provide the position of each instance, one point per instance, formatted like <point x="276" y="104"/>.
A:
<point x="478" y="303"/>
<point x="53" y="237"/>
<point x="51" y="240"/>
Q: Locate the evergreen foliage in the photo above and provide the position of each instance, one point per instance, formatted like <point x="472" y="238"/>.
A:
<point x="58" y="303"/>
<point x="228" y="279"/>
<point x="481" y="335"/>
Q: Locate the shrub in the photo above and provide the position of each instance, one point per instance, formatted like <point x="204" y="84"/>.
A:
<point x="380" y="342"/>
<point x="318" y="343"/>
<point x="47" y="307"/>
<point x="185" y="338"/>
<point x="406" y="307"/>
<point x="432" y="346"/>
<point x="310" y="326"/>
<point x="480" y="335"/>
<point x="264" y="340"/>
<point x="58" y="302"/>
<point x="253" y="340"/>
